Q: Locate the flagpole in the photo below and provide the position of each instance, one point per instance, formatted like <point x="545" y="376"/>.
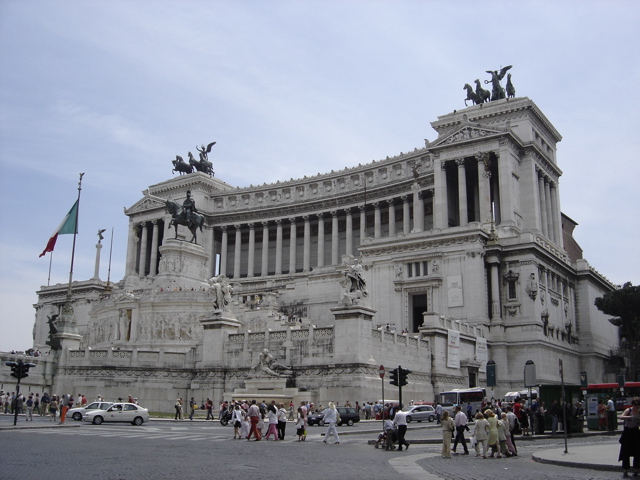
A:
<point x="50" y="261"/>
<point x="110" y="252"/>
<point x="75" y="233"/>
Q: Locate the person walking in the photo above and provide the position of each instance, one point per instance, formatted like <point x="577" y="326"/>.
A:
<point x="330" y="416"/>
<point x="612" y="420"/>
<point x="254" y="417"/>
<point x="482" y="434"/>
<point x="178" y="407"/>
<point x="513" y="423"/>
<point x="272" y="416"/>
<point x="400" y="422"/>
<point x="44" y="404"/>
<point x="448" y="427"/>
<point x="460" y="421"/>
<point x="236" y="420"/>
<point x="510" y="447"/>
<point x="300" y="425"/>
<point x="53" y="408"/>
<point x="209" y="406"/>
<point x="30" y="406"/>
<point x="493" y="432"/>
<point x="282" y="421"/>
<point x="602" y="416"/>
<point x="192" y="408"/>
<point x="630" y="438"/>
<point x="438" y="412"/>
<point x="555" y="412"/>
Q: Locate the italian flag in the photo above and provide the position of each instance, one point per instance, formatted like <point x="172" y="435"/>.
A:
<point x="68" y="225"/>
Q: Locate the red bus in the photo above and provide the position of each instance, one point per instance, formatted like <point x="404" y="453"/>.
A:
<point x="631" y="389"/>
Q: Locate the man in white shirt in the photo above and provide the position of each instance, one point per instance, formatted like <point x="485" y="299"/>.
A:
<point x="612" y="418"/>
<point x="400" y="422"/>
<point x="460" y="421"/>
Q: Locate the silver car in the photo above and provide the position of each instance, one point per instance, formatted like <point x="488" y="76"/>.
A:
<point x="420" y="413"/>
<point x="118" y="412"/>
<point x="77" y="413"/>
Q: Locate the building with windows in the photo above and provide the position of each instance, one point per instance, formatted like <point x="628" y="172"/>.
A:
<point x="465" y="253"/>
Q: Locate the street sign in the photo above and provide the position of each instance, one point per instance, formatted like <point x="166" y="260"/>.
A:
<point x="381" y="371"/>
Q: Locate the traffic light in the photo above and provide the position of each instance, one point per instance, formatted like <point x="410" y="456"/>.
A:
<point x="404" y="373"/>
<point x="19" y="369"/>
<point x="394" y="377"/>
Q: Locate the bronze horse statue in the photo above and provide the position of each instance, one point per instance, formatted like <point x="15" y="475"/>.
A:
<point x="179" y="217"/>
<point x="203" y="165"/>
<point x="179" y="165"/>
<point x="471" y="95"/>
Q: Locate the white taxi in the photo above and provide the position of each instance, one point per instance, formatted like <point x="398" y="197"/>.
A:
<point x="118" y="412"/>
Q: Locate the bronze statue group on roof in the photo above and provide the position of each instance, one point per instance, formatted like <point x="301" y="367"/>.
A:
<point x="203" y="165"/>
<point x="480" y="95"/>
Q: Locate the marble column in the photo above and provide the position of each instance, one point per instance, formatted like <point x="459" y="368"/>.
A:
<point x="237" y="254"/>
<point x="440" y="201"/>
<point x="279" y="247"/>
<point x="265" y="250"/>
<point x="543" y="204"/>
<point x="153" y="265"/>
<point x="377" y="220"/>
<point x="96" y="270"/>
<point x="334" y="238"/>
<point x="132" y="245"/>
<point x="306" y="257"/>
<point x="224" y="250"/>
<point x="363" y="223"/>
<point x="349" y="232"/>
<point x="292" y="246"/>
<point x="496" y="310"/>
<point x="321" y="240"/>
<point x="555" y="214"/>
<point x="484" y="198"/>
<point x="462" y="192"/>
<point x="142" y="265"/>
<point x="392" y="218"/>
<point x="547" y="196"/>
<point x="252" y="250"/>
<point x="418" y="209"/>
<point x="406" y="215"/>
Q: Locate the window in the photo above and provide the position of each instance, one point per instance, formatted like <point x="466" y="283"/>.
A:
<point x="418" y="269"/>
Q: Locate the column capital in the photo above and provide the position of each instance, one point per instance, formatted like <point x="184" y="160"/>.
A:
<point x="306" y="218"/>
<point x="347" y="210"/>
<point x="154" y="221"/>
<point x="238" y="227"/>
<point x="376" y="205"/>
<point x="460" y="162"/>
<point x="251" y="225"/>
<point x="362" y="208"/>
<point x="390" y="202"/>
<point x="265" y="224"/>
<point x="224" y="227"/>
<point x="405" y="198"/>
<point x="279" y="222"/>
<point x="320" y="216"/>
<point x="292" y="220"/>
<point x="334" y="213"/>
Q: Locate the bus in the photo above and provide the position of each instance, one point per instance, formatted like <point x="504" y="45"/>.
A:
<point x="462" y="397"/>
<point x="623" y="401"/>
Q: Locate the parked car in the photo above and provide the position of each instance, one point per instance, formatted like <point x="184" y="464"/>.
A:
<point x="77" y="413"/>
<point x="118" y="412"/>
<point x="420" y="413"/>
<point x="348" y="416"/>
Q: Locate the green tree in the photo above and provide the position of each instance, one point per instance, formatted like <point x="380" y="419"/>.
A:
<point x="624" y="304"/>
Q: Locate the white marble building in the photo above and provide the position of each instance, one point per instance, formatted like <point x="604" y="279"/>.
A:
<point x="464" y="234"/>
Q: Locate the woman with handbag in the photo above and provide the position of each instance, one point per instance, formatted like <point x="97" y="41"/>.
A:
<point x="448" y="427"/>
<point x="236" y="420"/>
<point x="630" y="438"/>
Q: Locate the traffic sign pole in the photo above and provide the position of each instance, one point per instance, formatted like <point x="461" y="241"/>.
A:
<point x="381" y="373"/>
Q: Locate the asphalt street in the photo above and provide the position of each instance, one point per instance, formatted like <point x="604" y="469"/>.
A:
<point x="185" y="450"/>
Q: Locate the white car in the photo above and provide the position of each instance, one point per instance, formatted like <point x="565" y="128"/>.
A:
<point x="420" y="413"/>
<point x="77" y="413"/>
<point x="118" y="412"/>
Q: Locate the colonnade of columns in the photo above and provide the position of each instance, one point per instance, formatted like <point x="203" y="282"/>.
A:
<point x="315" y="248"/>
<point x="550" y="222"/>
<point x="142" y="250"/>
<point x="448" y="207"/>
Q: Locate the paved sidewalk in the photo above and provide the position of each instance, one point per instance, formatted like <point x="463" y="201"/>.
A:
<point x="603" y="456"/>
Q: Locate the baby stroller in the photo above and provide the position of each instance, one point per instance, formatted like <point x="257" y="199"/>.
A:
<point x="388" y="437"/>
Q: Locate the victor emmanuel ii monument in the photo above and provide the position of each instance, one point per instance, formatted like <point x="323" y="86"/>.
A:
<point x="458" y="253"/>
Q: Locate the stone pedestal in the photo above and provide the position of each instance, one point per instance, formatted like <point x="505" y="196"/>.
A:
<point x="182" y="263"/>
<point x="268" y="389"/>
<point x="217" y="327"/>
<point x="353" y="326"/>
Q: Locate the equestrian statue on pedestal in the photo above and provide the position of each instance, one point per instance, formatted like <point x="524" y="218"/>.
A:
<point x="186" y="215"/>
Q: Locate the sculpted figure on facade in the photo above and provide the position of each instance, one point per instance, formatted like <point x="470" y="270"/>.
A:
<point x="532" y="286"/>
<point x="221" y="291"/>
<point x="354" y="284"/>
<point x="268" y="365"/>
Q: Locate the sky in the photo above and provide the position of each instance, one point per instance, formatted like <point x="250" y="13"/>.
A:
<point x="116" y="89"/>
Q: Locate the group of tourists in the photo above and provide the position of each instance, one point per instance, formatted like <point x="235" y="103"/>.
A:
<point x="31" y="404"/>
